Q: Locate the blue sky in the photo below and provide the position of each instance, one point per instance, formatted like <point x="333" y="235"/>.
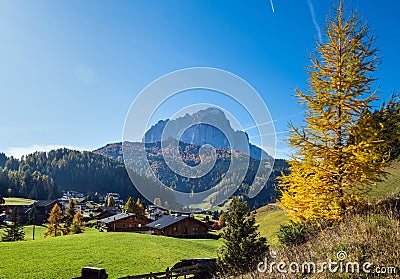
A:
<point x="69" y="70"/>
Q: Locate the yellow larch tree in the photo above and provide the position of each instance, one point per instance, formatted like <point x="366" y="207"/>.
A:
<point x="331" y="171"/>
<point x="54" y="227"/>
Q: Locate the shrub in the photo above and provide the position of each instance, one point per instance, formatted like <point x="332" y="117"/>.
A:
<point x="293" y="233"/>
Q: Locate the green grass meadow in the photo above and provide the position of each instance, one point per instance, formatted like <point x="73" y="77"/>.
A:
<point x="18" y="201"/>
<point x="39" y="232"/>
<point x="270" y="218"/>
<point x="121" y="254"/>
<point x="389" y="185"/>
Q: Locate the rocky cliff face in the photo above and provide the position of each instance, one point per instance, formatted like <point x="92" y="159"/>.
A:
<point x="209" y="126"/>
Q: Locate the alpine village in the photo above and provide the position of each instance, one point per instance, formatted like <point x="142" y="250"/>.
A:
<point x="330" y="208"/>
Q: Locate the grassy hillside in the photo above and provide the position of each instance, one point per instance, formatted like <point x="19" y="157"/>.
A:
<point x="121" y="254"/>
<point x="39" y="231"/>
<point x="390" y="185"/>
<point x="371" y="236"/>
<point x="269" y="218"/>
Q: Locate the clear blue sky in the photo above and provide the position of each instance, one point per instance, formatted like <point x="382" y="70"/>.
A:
<point x="69" y="70"/>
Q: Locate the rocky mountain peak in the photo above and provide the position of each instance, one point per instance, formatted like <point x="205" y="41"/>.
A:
<point x="208" y="126"/>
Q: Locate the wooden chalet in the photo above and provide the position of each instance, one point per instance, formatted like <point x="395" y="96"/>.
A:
<point x="124" y="222"/>
<point x="35" y="213"/>
<point x="21" y="211"/>
<point x="178" y="226"/>
<point x="107" y="212"/>
<point x="39" y="212"/>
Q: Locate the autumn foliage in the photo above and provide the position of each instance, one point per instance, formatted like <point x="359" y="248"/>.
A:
<point x="54" y="227"/>
<point x="336" y="161"/>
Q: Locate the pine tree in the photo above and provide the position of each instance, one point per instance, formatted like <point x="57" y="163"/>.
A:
<point x="134" y="207"/>
<point x="330" y="172"/>
<point x="221" y="220"/>
<point x="77" y="225"/>
<point x="70" y="212"/>
<point x="386" y="120"/>
<point x="110" y="201"/>
<point x="54" y="227"/>
<point x="139" y="208"/>
<point x="14" y="231"/>
<point x="129" y="206"/>
<point x="243" y="247"/>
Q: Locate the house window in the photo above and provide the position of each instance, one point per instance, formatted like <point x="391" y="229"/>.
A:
<point x="195" y="229"/>
<point x="174" y="229"/>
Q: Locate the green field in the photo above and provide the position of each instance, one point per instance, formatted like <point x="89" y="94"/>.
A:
<point x="18" y="201"/>
<point x="39" y="230"/>
<point x="269" y="218"/>
<point x="390" y="185"/>
<point x="121" y="254"/>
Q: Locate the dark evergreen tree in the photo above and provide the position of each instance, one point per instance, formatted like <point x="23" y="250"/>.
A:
<point x="243" y="246"/>
<point x="14" y="231"/>
<point x="3" y="160"/>
<point x="93" y="196"/>
<point x="215" y="215"/>
<point x="12" y="164"/>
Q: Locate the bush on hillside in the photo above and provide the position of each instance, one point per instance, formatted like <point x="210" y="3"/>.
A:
<point x="293" y="233"/>
<point x="371" y="236"/>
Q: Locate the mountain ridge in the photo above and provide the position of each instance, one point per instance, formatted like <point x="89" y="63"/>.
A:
<point x="189" y="154"/>
<point x="209" y="126"/>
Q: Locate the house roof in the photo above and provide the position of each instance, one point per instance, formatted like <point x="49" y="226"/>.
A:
<point x="111" y="212"/>
<point x="168" y="220"/>
<point x="44" y="202"/>
<point x="116" y="217"/>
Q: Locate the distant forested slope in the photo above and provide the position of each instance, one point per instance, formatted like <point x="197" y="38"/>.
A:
<point x="190" y="155"/>
<point x="43" y="175"/>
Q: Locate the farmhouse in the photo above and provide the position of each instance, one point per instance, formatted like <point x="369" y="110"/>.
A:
<point x="107" y="212"/>
<point x="124" y="222"/>
<point x="28" y="214"/>
<point x="40" y="211"/>
<point x="21" y="211"/>
<point x="178" y="225"/>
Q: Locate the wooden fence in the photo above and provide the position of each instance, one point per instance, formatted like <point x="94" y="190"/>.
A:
<point x="194" y="271"/>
